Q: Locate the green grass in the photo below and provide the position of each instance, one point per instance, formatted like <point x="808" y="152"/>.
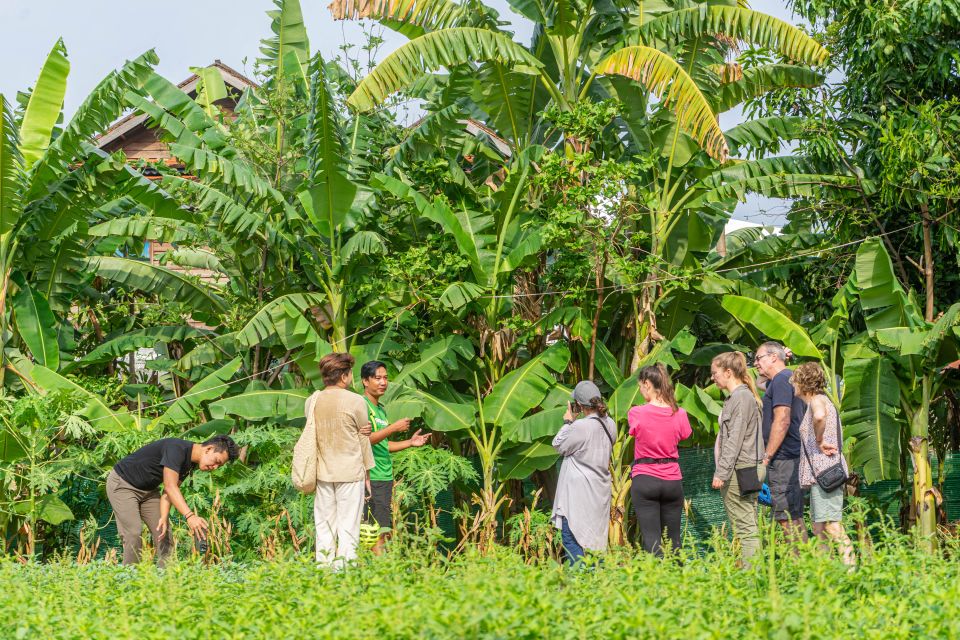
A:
<point x="897" y="593"/>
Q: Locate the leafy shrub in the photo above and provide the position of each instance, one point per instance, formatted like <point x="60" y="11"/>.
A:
<point x="897" y="592"/>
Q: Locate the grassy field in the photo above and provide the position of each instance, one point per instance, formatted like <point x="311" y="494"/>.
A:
<point x="897" y="592"/>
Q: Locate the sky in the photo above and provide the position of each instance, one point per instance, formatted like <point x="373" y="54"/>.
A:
<point x="101" y="34"/>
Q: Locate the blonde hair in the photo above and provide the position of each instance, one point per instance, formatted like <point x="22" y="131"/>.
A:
<point x="736" y="363"/>
<point x="808" y="378"/>
<point x="658" y="376"/>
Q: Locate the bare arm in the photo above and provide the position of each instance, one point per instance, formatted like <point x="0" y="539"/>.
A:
<point x="778" y="430"/>
<point x="171" y="491"/>
<point x="417" y="440"/>
<point x="819" y="417"/>
<point x="397" y="427"/>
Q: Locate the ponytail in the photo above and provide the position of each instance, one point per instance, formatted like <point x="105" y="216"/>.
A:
<point x="736" y="363"/>
<point x="658" y="376"/>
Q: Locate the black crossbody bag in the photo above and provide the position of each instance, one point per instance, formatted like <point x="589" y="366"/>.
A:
<point x="833" y="477"/>
<point x="747" y="478"/>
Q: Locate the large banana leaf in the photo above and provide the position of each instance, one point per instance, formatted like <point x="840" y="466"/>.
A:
<point x="95" y="410"/>
<point x="147" y="228"/>
<point x="542" y="424"/>
<point x="43" y="108"/>
<point x="37" y="326"/>
<point x="772" y="323"/>
<point x="331" y="193"/>
<point x="661" y="75"/>
<point x="282" y="317"/>
<point x="210" y="88"/>
<point x="871" y="400"/>
<point x="520" y="462"/>
<point x="441" y="415"/>
<point x="97" y="112"/>
<point x="186" y="408"/>
<point x="525" y="388"/>
<point x="743" y="24"/>
<point x="438" y="358"/>
<point x="11" y="169"/>
<point x="287" y="52"/>
<point x="265" y="404"/>
<point x="758" y="80"/>
<point x="139" y="339"/>
<point x="411" y="18"/>
<point x="224" y="211"/>
<point x="431" y="52"/>
<point x="764" y="133"/>
<point x="882" y="298"/>
<point x="151" y="278"/>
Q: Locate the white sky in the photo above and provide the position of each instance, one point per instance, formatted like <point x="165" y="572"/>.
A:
<point x="101" y="34"/>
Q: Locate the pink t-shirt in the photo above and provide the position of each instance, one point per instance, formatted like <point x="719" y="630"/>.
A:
<point x="656" y="432"/>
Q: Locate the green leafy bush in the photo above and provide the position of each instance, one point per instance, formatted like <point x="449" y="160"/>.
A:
<point x="897" y="592"/>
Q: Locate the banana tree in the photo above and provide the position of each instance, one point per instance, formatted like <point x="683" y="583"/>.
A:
<point x="279" y="213"/>
<point x="898" y="363"/>
<point x="53" y="184"/>
<point x="511" y="442"/>
<point x="664" y="63"/>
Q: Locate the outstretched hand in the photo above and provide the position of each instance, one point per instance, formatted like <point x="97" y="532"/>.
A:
<point x="419" y="439"/>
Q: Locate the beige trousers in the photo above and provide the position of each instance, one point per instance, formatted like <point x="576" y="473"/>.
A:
<point x="134" y="508"/>
<point x="337" y="511"/>
<point x="742" y="512"/>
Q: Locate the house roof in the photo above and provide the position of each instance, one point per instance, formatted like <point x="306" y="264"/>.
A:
<point x="129" y="123"/>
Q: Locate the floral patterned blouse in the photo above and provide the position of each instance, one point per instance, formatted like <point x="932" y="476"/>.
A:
<point x="810" y="453"/>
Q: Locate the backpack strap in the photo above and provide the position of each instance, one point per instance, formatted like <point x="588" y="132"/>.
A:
<point x="603" y="425"/>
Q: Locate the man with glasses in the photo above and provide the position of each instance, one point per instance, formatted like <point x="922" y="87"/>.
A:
<point x="782" y="413"/>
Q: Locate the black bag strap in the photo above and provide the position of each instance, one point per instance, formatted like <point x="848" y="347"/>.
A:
<point x="603" y="425"/>
<point x="839" y="441"/>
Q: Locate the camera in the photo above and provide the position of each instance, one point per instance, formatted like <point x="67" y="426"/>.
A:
<point x="201" y="545"/>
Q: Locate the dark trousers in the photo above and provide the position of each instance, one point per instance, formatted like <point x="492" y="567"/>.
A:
<point x="658" y="505"/>
<point x="570" y="545"/>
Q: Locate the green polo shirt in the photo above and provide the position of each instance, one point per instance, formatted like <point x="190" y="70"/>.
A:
<point x="383" y="469"/>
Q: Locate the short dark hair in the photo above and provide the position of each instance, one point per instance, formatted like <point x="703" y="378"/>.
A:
<point x="224" y="443"/>
<point x="369" y="369"/>
<point x="334" y="366"/>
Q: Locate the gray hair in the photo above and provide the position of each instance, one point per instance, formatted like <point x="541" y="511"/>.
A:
<point x="776" y="349"/>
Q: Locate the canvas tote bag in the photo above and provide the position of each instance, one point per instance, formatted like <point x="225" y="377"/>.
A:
<point x="303" y="471"/>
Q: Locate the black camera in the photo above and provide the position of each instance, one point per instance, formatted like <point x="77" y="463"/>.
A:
<point x="201" y="545"/>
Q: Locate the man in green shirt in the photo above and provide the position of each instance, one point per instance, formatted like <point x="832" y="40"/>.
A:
<point x="373" y="375"/>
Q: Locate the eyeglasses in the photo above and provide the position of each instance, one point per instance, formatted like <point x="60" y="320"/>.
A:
<point x="760" y="356"/>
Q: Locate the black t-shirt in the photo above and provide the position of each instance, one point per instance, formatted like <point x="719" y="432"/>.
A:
<point x="144" y="467"/>
<point x="779" y="393"/>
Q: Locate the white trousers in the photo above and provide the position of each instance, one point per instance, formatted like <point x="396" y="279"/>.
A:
<point x="337" y="512"/>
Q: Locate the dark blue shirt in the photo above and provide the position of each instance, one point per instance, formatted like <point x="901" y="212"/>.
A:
<point x="779" y="393"/>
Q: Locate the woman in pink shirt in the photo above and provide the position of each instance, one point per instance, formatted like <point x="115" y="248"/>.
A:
<point x="657" y="489"/>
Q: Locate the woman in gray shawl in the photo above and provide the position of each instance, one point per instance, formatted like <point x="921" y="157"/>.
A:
<point x="581" y="509"/>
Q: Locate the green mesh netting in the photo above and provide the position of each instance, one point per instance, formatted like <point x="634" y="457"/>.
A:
<point x="86" y="499"/>
<point x="705" y="504"/>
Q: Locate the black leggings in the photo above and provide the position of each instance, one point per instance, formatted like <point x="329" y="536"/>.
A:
<point x="658" y="505"/>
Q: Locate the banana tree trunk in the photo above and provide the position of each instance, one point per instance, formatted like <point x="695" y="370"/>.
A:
<point x="924" y="497"/>
<point x="646" y="320"/>
<point x="620" y="490"/>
